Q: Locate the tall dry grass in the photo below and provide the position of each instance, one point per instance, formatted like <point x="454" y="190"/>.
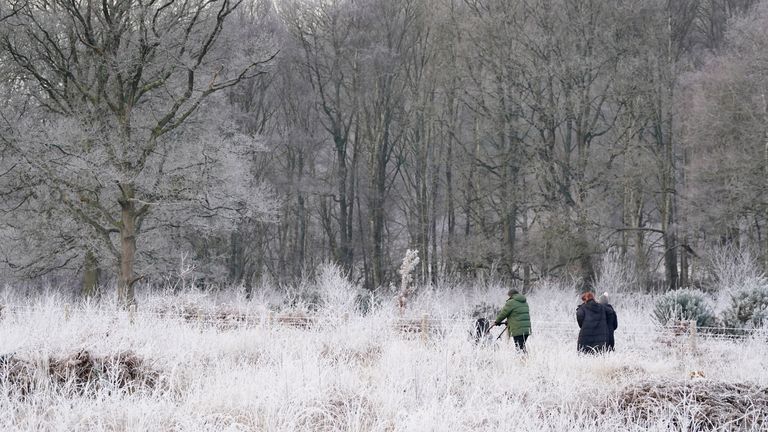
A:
<point x="347" y="371"/>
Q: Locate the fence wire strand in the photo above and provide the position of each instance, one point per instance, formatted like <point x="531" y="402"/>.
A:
<point x="233" y="319"/>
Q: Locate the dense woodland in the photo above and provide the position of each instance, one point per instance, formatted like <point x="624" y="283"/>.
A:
<point x="236" y="141"/>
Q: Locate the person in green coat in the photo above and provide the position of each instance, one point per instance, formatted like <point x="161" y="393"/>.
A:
<point x="518" y="317"/>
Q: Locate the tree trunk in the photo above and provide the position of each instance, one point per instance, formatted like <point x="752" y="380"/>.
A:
<point x="627" y="210"/>
<point x="377" y="215"/>
<point x="301" y="241"/>
<point x="668" y="214"/>
<point x="668" y="175"/>
<point x="471" y="188"/>
<point x="345" y="242"/>
<point x="128" y="216"/>
<point x="510" y="231"/>
<point x="684" y="263"/>
<point x="670" y="240"/>
<point x="326" y="220"/>
<point x="765" y="186"/>
<point x="527" y="264"/>
<point x="235" y="257"/>
<point x="641" y="261"/>
<point x="90" y="274"/>
<point x="422" y="193"/>
<point x="451" y="207"/>
<point x="508" y="145"/>
<point x="433" y="213"/>
<point x="366" y="262"/>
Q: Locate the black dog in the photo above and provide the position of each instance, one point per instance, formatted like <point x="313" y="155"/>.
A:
<point x="482" y="332"/>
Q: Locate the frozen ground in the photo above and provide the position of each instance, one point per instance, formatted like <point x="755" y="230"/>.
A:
<point x="226" y="364"/>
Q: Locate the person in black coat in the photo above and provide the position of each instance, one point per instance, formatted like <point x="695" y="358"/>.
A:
<point x="593" y="322"/>
<point x="610" y="316"/>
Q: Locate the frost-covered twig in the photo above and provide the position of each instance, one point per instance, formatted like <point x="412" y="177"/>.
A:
<point x="410" y="261"/>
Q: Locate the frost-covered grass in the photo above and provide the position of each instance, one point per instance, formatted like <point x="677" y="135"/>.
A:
<point x="358" y="372"/>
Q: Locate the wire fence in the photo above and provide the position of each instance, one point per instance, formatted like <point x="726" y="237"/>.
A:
<point x="424" y="324"/>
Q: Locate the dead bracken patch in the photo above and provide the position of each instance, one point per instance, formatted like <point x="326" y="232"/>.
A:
<point x="221" y="318"/>
<point x="17" y="375"/>
<point x="344" y="355"/>
<point x="624" y="372"/>
<point x="704" y="404"/>
<point x="342" y="411"/>
<point x="228" y="318"/>
<point x="80" y="372"/>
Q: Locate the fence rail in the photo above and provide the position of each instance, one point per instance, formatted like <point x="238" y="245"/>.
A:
<point x="425" y="325"/>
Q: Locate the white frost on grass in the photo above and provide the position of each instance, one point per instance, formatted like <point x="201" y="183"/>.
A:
<point x="361" y="374"/>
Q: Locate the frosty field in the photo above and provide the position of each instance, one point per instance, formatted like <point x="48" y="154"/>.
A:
<point x="218" y="362"/>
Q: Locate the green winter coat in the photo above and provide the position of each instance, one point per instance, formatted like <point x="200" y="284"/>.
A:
<point x="515" y="311"/>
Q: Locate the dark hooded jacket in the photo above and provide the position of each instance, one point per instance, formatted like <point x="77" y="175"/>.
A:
<point x="592" y="319"/>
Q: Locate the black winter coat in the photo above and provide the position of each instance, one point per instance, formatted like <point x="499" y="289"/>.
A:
<point x="613" y="324"/>
<point x="593" y="321"/>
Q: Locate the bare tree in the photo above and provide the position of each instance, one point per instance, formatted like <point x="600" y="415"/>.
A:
<point x="520" y="137"/>
<point x="113" y="85"/>
<point x="326" y="32"/>
<point x="726" y="130"/>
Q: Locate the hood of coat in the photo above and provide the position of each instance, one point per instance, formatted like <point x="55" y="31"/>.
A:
<point x="592" y="305"/>
<point x="519" y="297"/>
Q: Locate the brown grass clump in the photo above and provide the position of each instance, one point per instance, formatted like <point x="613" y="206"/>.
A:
<point x="124" y="370"/>
<point x="344" y="355"/>
<point x="80" y="372"/>
<point x="624" y="372"/>
<point x="704" y="404"/>
<point x="343" y="411"/>
<point x="256" y="357"/>
<point x="17" y="375"/>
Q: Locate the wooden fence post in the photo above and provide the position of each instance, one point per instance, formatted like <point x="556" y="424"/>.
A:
<point x="424" y="327"/>
<point x="66" y="311"/>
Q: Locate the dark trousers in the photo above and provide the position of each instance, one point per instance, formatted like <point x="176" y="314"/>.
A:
<point x="520" y="342"/>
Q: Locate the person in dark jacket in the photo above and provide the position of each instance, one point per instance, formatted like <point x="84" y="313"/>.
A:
<point x="610" y="316"/>
<point x="591" y="317"/>
<point x="518" y="317"/>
